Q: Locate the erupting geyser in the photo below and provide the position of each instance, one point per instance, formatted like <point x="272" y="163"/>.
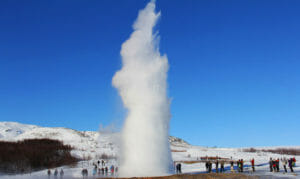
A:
<point x="142" y="85"/>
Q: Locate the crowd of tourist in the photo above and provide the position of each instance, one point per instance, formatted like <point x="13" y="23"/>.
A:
<point x="61" y="173"/>
<point x="274" y="165"/>
<point x="100" y="168"/>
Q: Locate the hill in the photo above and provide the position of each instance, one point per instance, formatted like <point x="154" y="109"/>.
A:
<point x="85" y="144"/>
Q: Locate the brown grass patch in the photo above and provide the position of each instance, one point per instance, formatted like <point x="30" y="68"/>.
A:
<point x="178" y="150"/>
<point x="190" y="162"/>
<point x="282" y="151"/>
<point x="201" y="176"/>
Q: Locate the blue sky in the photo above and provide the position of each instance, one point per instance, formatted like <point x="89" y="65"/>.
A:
<point x="234" y="75"/>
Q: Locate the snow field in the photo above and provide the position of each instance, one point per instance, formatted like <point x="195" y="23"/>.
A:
<point x="91" y="145"/>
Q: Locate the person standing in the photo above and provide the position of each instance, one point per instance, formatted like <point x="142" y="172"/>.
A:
<point x="55" y="172"/>
<point x="252" y="164"/>
<point x="291" y="164"/>
<point x="49" y="172"/>
<point x="112" y="170"/>
<point x="61" y="173"/>
<point x="294" y="161"/>
<point x="242" y="165"/>
<point x="177" y="168"/>
<point x="271" y="164"/>
<point x="84" y="172"/>
<point x="284" y="162"/>
<point x="222" y="166"/>
<point x="94" y="170"/>
<point x="106" y="171"/>
<point x="231" y="166"/>
<point x="217" y="166"/>
<point x="180" y="168"/>
<point x="277" y="165"/>
<point x="274" y="165"/>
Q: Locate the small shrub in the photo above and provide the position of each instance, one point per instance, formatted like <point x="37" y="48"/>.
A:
<point x="106" y="157"/>
<point x="178" y="150"/>
<point x="250" y="150"/>
<point x="286" y="151"/>
<point x="282" y="151"/>
<point x="33" y="154"/>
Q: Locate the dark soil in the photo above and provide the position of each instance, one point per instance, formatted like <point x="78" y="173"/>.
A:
<point x="201" y="176"/>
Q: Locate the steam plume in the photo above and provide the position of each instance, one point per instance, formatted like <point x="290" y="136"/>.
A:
<point x="142" y="84"/>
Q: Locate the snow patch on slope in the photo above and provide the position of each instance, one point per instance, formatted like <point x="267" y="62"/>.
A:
<point x="10" y="130"/>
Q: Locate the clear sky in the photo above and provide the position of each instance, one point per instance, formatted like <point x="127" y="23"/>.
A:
<point x="234" y="75"/>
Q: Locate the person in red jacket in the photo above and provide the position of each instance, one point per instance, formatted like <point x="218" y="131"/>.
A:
<point x="294" y="162"/>
<point x="252" y="163"/>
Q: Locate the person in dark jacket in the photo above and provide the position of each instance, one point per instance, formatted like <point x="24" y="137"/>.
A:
<point x="277" y="165"/>
<point x="61" y="173"/>
<point x="49" y="172"/>
<point x="242" y="165"/>
<point x="84" y="173"/>
<point x="222" y="166"/>
<point x="291" y="164"/>
<point x="271" y="164"/>
<point x="55" y="172"/>
<point x="106" y="170"/>
<point x="217" y="166"/>
<point x="179" y="167"/>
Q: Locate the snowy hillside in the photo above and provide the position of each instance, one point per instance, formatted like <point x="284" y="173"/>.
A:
<point x="86" y="144"/>
<point x="10" y="130"/>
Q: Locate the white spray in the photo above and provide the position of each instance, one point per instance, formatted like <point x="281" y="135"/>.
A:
<point x="142" y="85"/>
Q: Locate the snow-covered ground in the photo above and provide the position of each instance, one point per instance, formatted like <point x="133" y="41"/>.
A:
<point x="193" y="153"/>
<point x="90" y="145"/>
